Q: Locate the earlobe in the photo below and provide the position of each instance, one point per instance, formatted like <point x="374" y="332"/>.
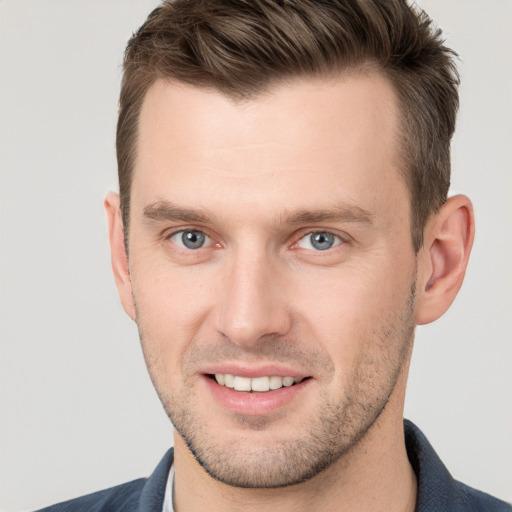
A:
<point x="444" y="258"/>
<point x="119" y="257"/>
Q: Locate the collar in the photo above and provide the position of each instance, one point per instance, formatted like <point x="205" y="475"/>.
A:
<point x="437" y="490"/>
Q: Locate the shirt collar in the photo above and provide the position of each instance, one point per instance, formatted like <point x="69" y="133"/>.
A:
<point x="437" y="490"/>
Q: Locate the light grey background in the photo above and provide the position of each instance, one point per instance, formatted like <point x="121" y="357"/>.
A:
<point x="78" y="412"/>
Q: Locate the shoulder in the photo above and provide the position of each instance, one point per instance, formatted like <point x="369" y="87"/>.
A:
<point x="124" y="497"/>
<point x="438" y="491"/>
<point x="143" y="494"/>
<point x="473" y="500"/>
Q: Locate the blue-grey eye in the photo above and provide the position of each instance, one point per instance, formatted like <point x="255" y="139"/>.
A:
<point x="190" y="239"/>
<point x="319" y="241"/>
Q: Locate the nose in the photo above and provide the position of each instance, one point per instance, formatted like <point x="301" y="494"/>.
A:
<point x="253" y="304"/>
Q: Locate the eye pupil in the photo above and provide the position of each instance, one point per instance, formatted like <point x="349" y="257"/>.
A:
<point x="322" y="241"/>
<point x="193" y="239"/>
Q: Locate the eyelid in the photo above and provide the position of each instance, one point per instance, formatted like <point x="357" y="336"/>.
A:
<point x="343" y="238"/>
<point x="302" y="233"/>
<point x="170" y="231"/>
<point x="336" y="242"/>
<point x="179" y="239"/>
<point x="168" y="234"/>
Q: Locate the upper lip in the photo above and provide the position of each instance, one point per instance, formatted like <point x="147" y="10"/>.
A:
<point x="269" y="370"/>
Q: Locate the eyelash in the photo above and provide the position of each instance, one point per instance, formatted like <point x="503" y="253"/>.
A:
<point x="182" y="231"/>
<point x="338" y="240"/>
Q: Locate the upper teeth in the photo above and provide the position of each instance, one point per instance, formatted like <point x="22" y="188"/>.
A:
<point x="255" y="384"/>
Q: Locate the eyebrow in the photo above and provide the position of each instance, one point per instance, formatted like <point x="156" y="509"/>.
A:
<point x="345" y="213"/>
<point x="167" y="211"/>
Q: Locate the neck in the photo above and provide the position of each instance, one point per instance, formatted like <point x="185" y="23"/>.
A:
<point x="374" y="476"/>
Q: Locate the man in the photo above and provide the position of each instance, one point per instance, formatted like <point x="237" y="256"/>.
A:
<point x="282" y="226"/>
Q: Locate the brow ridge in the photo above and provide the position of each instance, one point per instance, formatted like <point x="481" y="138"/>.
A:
<point x="350" y="213"/>
<point x="167" y="211"/>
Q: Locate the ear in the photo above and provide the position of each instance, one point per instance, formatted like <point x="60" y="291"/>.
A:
<point x="443" y="259"/>
<point x="118" y="253"/>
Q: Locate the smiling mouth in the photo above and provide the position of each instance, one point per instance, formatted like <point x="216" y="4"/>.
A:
<point x="255" y="384"/>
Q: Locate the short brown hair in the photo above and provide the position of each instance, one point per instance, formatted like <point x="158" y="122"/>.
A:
<point x="243" y="47"/>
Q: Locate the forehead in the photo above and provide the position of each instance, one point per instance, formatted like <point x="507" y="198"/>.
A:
<point x="300" y="142"/>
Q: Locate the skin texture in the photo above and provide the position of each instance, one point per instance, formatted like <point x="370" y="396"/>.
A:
<point x="257" y="178"/>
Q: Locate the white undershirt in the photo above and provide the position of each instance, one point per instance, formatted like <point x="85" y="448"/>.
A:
<point x="169" y="492"/>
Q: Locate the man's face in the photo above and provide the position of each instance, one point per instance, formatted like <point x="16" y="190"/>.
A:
<point x="270" y="243"/>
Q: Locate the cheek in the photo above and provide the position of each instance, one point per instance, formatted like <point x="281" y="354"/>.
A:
<point x="346" y="308"/>
<point x="171" y="306"/>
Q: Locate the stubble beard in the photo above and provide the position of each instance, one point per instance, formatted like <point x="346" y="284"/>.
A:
<point x="327" y="438"/>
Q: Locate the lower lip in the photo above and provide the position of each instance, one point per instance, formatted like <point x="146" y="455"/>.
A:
<point x="254" y="403"/>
